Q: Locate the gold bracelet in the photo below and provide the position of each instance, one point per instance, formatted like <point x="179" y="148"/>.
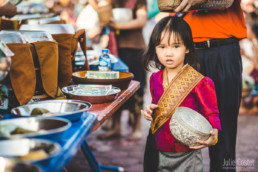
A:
<point x="117" y="29"/>
<point x="216" y="141"/>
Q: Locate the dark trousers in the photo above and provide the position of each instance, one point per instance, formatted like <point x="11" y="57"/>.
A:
<point x="133" y="59"/>
<point x="223" y="65"/>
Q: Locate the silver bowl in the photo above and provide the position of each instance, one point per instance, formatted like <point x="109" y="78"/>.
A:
<point x="29" y="150"/>
<point x="66" y="101"/>
<point x="187" y="125"/>
<point x="9" y="165"/>
<point x="102" y="95"/>
<point x="36" y="127"/>
<point x="68" y="110"/>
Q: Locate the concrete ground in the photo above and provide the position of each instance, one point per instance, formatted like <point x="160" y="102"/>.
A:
<point x="129" y="154"/>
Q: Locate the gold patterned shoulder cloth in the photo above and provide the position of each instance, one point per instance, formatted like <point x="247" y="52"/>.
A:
<point x="175" y="93"/>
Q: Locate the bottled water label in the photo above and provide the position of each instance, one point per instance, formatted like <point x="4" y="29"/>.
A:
<point x="104" y="61"/>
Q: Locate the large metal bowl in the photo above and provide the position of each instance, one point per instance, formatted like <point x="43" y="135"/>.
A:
<point x="48" y="128"/>
<point x="9" y="165"/>
<point x="29" y="150"/>
<point x="122" y="82"/>
<point x="187" y="125"/>
<point x="68" y="110"/>
<point x="93" y="98"/>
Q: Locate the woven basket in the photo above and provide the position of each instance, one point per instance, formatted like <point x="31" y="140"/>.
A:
<point x="105" y="13"/>
<point x="171" y="5"/>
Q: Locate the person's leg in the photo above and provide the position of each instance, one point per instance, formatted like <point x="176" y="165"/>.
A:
<point x="108" y="125"/>
<point x="135" y="111"/>
<point x="115" y="131"/>
<point x="223" y="65"/>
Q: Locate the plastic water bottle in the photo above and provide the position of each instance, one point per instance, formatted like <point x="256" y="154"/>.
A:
<point x="104" y="61"/>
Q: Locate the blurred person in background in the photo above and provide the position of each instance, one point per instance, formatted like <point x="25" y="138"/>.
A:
<point x="252" y="35"/>
<point x="65" y="8"/>
<point x="130" y="46"/>
<point x="88" y="19"/>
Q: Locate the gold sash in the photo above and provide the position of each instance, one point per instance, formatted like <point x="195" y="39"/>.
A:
<point x="177" y="90"/>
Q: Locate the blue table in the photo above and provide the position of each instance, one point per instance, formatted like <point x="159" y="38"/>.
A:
<point x="75" y="137"/>
<point x="71" y="142"/>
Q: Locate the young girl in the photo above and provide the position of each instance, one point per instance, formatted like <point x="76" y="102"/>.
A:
<point x="171" y="48"/>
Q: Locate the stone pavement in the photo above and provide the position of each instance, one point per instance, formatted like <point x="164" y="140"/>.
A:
<point x="129" y="155"/>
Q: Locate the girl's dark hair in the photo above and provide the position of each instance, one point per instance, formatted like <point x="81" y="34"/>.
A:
<point x="178" y="27"/>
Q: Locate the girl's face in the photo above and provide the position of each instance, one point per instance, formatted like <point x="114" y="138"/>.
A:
<point x="171" y="54"/>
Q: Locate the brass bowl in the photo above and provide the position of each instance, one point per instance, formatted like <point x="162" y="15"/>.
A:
<point x="187" y="125"/>
<point x="9" y="165"/>
<point x="122" y="82"/>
